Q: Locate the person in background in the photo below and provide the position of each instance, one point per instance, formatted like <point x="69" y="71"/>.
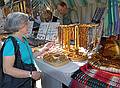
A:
<point x="17" y="24"/>
<point x="49" y="17"/>
<point x="68" y="16"/>
<point x="37" y="18"/>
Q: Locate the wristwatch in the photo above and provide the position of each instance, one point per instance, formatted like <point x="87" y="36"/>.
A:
<point x="30" y="74"/>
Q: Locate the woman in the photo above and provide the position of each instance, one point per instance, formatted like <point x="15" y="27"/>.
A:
<point x="49" y="17"/>
<point x="17" y="23"/>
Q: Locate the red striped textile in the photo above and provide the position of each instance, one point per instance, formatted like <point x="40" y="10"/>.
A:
<point x="90" y="77"/>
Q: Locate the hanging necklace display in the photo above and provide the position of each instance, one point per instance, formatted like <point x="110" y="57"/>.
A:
<point x="75" y="39"/>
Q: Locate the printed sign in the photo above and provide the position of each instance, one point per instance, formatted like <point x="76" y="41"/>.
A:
<point x="48" y="31"/>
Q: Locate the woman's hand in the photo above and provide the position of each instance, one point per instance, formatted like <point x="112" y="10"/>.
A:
<point x="48" y="45"/>
<point x="36" y="75"/>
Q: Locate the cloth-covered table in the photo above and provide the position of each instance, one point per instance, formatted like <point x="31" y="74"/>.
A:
<point x="90" y="77"/>
<point x="53" y="77"/>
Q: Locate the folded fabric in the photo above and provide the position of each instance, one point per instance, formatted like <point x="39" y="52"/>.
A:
<point x="90" y="76"/>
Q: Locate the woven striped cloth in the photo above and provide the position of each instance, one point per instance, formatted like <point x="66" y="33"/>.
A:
<point x="90" y="77"/>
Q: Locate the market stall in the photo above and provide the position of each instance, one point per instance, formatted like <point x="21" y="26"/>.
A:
<point x="85" y="54"/>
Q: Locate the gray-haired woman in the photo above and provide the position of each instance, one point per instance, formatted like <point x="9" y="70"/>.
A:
<point x="19" y="72"/>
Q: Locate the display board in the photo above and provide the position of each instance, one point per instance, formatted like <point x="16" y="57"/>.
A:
<point x="48" y="31"/>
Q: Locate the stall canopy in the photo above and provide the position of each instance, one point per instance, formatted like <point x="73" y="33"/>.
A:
<point x="84" y="8"/>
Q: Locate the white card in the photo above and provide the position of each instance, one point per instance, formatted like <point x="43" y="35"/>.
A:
<point x="48" y="31"/>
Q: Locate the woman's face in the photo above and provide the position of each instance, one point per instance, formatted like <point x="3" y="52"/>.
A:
<point x="48" y="17"/>
<point x="24" y="29"/>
